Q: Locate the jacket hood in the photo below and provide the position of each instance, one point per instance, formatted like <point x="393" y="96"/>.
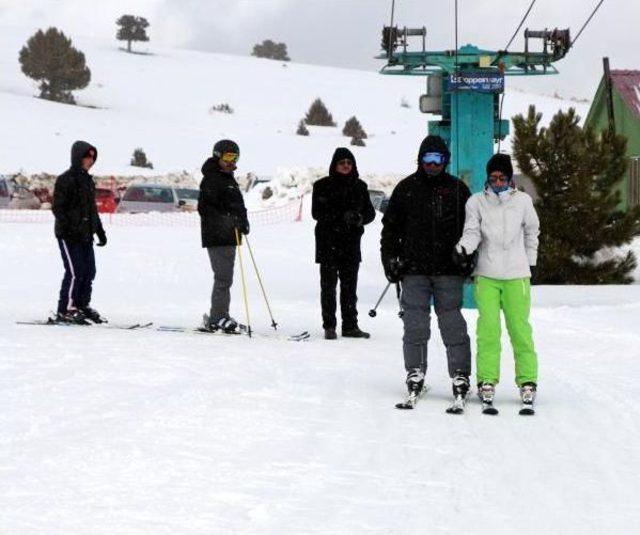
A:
<point x="78" y="150"/>
<point x="433" y="144"/>
<point x="342" y="153"/>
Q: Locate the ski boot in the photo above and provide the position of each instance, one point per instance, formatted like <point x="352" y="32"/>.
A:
<point x="93" y="315"/>
<point x="226" y="325"/>
<point x="527" y="396"/>
<point x="415" y="386"/>
<point x="486" y="392"/>
<point x="72" y="316"/>
<point x="460" y="387"/>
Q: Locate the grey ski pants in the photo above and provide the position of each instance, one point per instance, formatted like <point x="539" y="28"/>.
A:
<point x="446" y="291"/>
<point x="222" y="260"/>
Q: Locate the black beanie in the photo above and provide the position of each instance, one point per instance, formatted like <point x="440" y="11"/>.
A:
<point x="433" y="144"/>
<point x="500" y="162"/>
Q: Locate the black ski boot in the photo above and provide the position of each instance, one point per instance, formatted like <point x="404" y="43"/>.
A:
<point x="73" y="316"/>
<point x="227" y="325"/>
<point x="528" y="396"/>
<point x="93" y="315"/>
<point x="355" y="332"/>
<point x="415" y="386"/>
<point x="460" y="387"/>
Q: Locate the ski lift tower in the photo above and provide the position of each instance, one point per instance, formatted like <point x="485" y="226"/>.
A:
<point x="464" y="87"/>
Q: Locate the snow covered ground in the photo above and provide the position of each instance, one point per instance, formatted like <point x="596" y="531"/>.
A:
<point x="106" y="431"/>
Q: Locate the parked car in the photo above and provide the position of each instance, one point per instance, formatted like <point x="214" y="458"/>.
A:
<point x="5" y="195"/>
<point x="188" y="199"/>
<point x="106" y="201"/>
<point x="151" y="198"/>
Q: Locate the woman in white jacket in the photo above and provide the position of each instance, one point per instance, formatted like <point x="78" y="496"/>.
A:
<point x="502" y="225"/>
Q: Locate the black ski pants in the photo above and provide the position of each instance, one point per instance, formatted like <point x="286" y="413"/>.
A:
<point x="347" y="273"/>
<point x="79" y="271"/>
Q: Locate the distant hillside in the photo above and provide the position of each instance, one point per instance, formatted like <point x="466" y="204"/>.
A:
<point x="163" y="103"/>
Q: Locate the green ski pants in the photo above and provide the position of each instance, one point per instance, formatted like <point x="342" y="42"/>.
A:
<point x="513" y="297"/>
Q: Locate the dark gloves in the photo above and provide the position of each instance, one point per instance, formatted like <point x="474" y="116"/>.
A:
<point x="102" y="238"/>
<point x="242" y="224"/>
<point x="534" y="273"/>
<point x="394" y="269"/>
<point x="466" y="262"/>
<point x="353" y="218"/>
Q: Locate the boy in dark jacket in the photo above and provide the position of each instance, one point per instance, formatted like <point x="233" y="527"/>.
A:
<point x="422" y="225"/>
<point x="223" y="218"/>
<point x="76" y="221"/>
<point x="341" y="207"/>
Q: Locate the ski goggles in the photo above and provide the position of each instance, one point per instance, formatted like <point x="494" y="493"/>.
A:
<point x="436" y="158"/>
<point x="230" y="157"/>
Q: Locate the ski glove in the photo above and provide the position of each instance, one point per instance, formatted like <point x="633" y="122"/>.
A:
<point x="242" y="224"/>
<point x="102" y="238"/>
<point x="353" y="218"/>
<point x="394" y="269"/>
<point x="466" y="262"/>
<point x="534" y="273"/>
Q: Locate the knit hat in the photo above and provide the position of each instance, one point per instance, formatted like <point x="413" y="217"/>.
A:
<point x="500" y="162"/>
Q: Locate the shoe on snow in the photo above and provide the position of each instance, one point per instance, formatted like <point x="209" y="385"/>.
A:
<point x="415" y="381"/>
<point x="355" y="332"/>
<point x="330" y="334"/>
<point x="527" y="396"/>
<point x="460" y="386"/>
<point x="74" y="317"/>
<point x="226" y="325"/>
<point x="486" y="393"/>
<point x="93" y="315"/>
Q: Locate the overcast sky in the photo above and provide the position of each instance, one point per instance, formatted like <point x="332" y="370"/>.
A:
<point x="346" y="33"/>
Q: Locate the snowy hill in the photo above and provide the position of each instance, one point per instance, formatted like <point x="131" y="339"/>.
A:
<point x="162" y="102"/>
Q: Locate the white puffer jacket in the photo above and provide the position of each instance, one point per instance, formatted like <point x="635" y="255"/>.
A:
<point x="504" y="228"/>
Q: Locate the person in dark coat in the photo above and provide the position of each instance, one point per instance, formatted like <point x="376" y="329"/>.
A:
<point x="223" y="220"/>
<point x="76" y="221"/>
<point x="341" y="207"/>
<point x="421" y="227"/>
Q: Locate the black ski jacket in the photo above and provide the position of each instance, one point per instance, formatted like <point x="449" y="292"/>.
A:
<point x="74" y="200"/>
<point x="221" y="206"/>
<point x="338" y="235"/>
<point x="424" y="221"/>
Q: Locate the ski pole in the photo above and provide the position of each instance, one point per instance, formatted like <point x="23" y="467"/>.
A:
<point x="264" y="293"/>
<point x="399" y="296"/>
<point x="244" y="284"/>
<point x="372" y="312"/>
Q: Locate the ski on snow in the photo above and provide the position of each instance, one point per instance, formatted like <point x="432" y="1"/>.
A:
<point x="412" y="399"/>
<point x="105" y="325"/>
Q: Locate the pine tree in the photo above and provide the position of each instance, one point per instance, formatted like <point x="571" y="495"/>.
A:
<point x="271" y="50"/>
<point x="577" y="173"/>
<point x="50" y="58"/>
<point x="139" y="159"/>
<point x="319" y="115"/>
<point x="132" y="28"/>
<point x="353" y="128"/>
<point x="357" y="142"/>
<point x="302" y="129"/>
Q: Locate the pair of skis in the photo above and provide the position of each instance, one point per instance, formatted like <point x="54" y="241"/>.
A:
<point x="105" y="325"/>
<point x="242" y="330"/>
<point x="459" y="403"/>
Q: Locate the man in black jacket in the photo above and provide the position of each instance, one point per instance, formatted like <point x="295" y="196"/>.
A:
<point x="223" y="219"/>
<point x="77" y="220"/>
<point x="421" y="226"/>
<point x="341" y="207"/>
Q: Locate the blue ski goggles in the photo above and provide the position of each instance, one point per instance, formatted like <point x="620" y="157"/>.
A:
<point x="436" y="158"/>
